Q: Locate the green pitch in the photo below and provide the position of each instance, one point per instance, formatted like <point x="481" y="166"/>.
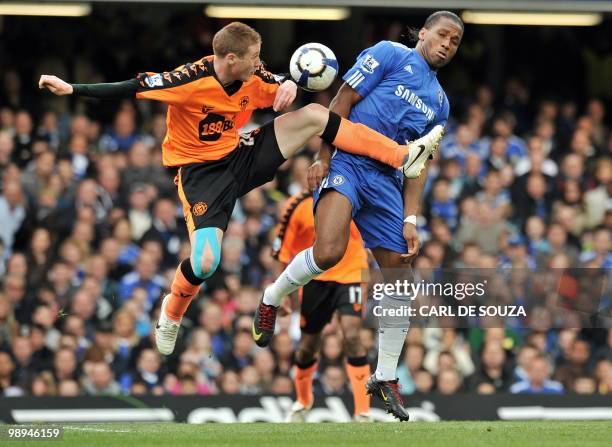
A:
<point x="443" y="434"/>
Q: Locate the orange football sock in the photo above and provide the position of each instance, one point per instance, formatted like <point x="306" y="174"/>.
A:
<point x="358" y="376"/>
<point x="181" y="294"/>
<point x="303" y="383"/>
<point x="361" y="140"/>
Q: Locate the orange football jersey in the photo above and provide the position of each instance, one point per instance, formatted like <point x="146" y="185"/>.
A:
<point x="296" y="232"/>
<point x="203" y="116"/>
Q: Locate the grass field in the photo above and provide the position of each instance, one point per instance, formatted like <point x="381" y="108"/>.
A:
<point x="443" y="434"/>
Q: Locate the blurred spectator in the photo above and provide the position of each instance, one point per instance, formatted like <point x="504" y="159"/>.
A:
<point x="584" y="385"/>
<point x="8" y="325"/>
<point x="240" y="355"/>
<point x="143" y="276"/>
<point x="524" y="358"/>
<point x="43" y="385"/>
<point x="211" y="321"/>
<point x="7" y="376"/>
<point x="230" y="382"/>
<point x="166" y="230"/>
<point x="493" y="368"/>
<point x="148" y="371"/>
<point x="332" y="381"/>
<point x="538" y="379"/>
<point x="442" y="205"/>
<point x="24" y="139"/>
<point x="602" y="194"/>
<point x="484" y="230"/>
<point x="423" y="381"/>
<point x="448" y="382"/>
<point x="25" y="368"/>
<point x="448" y="342"/>
<point x="413" y="362"/>
<point x="575" y="365"/>
<point x="12" y="214"/>
<point x="68" y="388"/>
<point x="99" y="380"/>
<point x="122" y="135"/>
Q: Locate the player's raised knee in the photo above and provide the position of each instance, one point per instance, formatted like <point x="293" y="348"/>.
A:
<point x="328" y="256"/>
<point x="206" y="265"/>
<point x="315" y="114"/>
<point x="206" y="253"/>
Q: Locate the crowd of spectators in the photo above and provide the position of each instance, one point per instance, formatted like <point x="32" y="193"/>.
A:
<point x="91" y="231"/>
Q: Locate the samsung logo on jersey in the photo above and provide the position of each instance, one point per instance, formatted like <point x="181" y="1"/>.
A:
<point x="414" y="100"/>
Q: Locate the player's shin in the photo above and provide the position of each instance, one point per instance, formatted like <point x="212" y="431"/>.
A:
<point x="358" y="139"/>
<point x="391" y="337"/>
<point x="303" y="376"/>
<point x="299" y="272"/>
<point x="185" y="287"/>
<point x="390" y="343"/>
<point x="358" y="372"/>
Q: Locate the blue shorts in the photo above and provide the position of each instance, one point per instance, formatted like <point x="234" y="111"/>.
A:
<point x="375" y="192"/>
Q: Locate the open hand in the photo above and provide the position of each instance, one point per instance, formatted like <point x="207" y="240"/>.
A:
<point x="285" y="95"/>
<point x="317" y="172"/>
<point x="411" y="235"/>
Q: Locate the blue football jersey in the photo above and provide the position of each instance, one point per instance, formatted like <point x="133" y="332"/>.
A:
<point x="402" y="98"/>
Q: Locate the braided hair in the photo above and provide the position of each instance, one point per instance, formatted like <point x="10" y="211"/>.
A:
<point x="411" y="35"/>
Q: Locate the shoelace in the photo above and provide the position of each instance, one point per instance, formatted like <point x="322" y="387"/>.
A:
<point x="168" y="329"/>
<point x="395" y="390"/>
<point x="267" y="316"/>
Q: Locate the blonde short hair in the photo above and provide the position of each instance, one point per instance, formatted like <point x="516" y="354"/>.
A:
<point x="235" y="38"/>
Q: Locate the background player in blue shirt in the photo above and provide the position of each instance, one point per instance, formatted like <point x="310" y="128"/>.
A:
<point x="392" y="89"/>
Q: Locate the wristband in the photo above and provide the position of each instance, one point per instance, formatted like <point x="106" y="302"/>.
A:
<point x="412" y="219"/>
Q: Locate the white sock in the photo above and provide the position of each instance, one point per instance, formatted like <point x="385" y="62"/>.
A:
<point x="390" y="344"/>
<point x="299" y="272"/>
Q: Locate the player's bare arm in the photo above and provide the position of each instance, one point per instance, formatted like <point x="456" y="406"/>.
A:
<point x="412" y="191"/>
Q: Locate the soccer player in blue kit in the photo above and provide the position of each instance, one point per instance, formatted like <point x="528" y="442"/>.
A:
<point x="392" y="89"/>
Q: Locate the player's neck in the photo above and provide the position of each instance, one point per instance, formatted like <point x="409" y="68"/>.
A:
<point x="222" y="72"/>
<point x="419" y="49"/>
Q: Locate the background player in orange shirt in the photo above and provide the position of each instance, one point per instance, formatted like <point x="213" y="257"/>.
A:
<point x="207" y="100"/>
<point x="338" y="289"/>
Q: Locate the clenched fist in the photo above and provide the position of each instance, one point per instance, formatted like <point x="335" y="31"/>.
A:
<point x="55" y="85"/>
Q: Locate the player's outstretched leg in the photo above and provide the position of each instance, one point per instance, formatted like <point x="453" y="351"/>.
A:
<point x="294" y="129"/>
<point x="191" y="273"/>
<point x="332" y="226"/>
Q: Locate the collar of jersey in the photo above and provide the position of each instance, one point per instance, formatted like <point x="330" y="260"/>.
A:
<point x="229" y="89"/>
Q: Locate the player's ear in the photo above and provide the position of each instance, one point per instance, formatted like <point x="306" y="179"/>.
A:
<point x="422" y="33"/>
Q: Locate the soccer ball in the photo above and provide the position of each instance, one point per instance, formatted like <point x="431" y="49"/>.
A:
<point x="313" y="67"/>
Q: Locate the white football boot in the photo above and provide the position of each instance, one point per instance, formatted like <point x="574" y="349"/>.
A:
<point x="420" y="151"/>
<point x="363" y="417"/>
<point x="166" y="330"/>
<point x="298" y="412"/>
